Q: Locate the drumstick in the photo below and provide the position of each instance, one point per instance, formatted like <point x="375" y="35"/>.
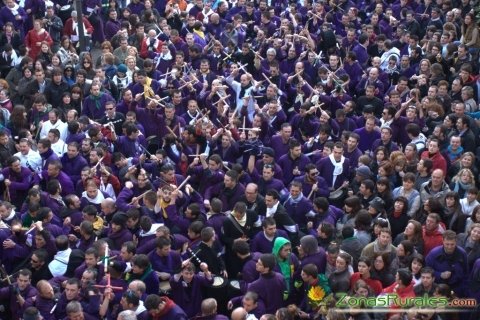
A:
<point x="310" y="194"/>
<point x="31" y="229"/>
<point x="183" y="183"/>
<point x="250" y="129"/>
<point x="141" y="196"/>
<point x="194" y="255"/>
<point x="244" y="119"/>
<point x="266" y="78"/>
<point x="171" y="131"/>
<point x="98" y="163"/>
<point x="221" y="100"/>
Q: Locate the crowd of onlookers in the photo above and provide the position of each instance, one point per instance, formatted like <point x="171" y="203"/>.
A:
<point x="264" y="159"/>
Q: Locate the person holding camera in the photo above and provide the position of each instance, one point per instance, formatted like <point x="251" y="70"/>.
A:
<point x="54" y="26"/>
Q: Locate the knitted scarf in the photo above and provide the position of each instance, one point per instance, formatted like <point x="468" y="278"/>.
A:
<point x="96" y="99"/>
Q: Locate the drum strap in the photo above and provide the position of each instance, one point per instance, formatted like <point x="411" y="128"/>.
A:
<point x="236" y="224"/>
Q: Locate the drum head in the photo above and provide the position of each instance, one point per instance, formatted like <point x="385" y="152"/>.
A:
<point x="218" y="281"/>
<point x="165" y="286"/>
<point x="235" y="284"/>
<point x="65" y="8"/>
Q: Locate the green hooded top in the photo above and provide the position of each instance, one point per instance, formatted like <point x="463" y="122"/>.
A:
<point x="285" y="268"/>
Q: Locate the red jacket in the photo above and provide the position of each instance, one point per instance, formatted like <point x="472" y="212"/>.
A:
<point x="146" y="53"/>
<point x="376" y="285"/>
<point x="402" y="294"/>
<point x="33" y="38"/>
<point x="432" y="239"/>
<point x="69" y="30"/>
<point x="438" y="160"/>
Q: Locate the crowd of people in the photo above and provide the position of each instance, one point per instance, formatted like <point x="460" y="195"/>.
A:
<point x="263" y="159"/>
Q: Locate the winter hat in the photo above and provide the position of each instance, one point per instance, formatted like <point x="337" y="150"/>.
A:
<point x="269" y="152"/>
<point x="364" y="172"/>
<point x="378" y="204"/>
<point x="122" y="68"/>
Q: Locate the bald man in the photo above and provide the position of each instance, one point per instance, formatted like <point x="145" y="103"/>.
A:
<point x="239" y="314"/>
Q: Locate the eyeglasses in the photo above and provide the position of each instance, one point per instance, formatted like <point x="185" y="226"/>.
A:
<point x="314" y="173"/>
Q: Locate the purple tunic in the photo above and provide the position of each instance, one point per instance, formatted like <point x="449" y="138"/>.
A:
<point x="270" y="288"/>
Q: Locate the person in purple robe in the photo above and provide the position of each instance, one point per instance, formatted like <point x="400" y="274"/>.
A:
<point x="335" y="168"/>
<point x="229" y="192"/>
<point x="293" y="163"/>
<point x="94" y="104"/>
<point x="264" y="240"/>
<point x="118" y="233"/>
<point x="15" y="14"/>
<point x="312" y="253"/>
<point x="187" y="287"/>
<point x="313" y="184"/>
<point x="297" y="205"/>
<point x="142" y="270"/>
<point x="112" y="26"/>
<point x="54" y="171"/>
<point x="45" y="299"/>
<point x="73" y="162"/>
<point x="367" y="134"/>
<point x="164" y="260"/>
<point x="46" y="153"/>
<point x="22" y="288"/>
<point x="72" y="293"/>
<point x="280" y="142"/>
<point x="18" y="180"/>
<point x="92" y="10"/>
<point x="270" y="287"/>
<point x="361" y="50"/>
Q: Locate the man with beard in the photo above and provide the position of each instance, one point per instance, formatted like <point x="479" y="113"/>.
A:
<point x="18" y="180"/>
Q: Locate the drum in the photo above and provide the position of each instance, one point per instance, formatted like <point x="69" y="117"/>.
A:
<point x="65" y="12"/>
<point x="219" y="291"/>
<point x="164" y="288"/>
<point x="234" y="289"/>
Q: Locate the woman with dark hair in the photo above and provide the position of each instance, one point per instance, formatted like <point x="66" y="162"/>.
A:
<point x="69" y="75"/>
<point x="363" y="222"/>
<point x="470" y="34"/>
<point x="18" y="120"/>
<point x="381" y="269"/>
<point x="398" y="216"/>
<point x="413" y="232"/>
<point x="416" y="265"/>
<point x="380" y="156"/>
<point x="339" y="280"/>
<point x="77" y="98"/>
<point x="364" y="267"/>
<point x="86" y="63"/>
<point x="474" y="218"/>
<point x="352" y="206"/>
<point x="27" y="77"/>
<point x="431" y="205"/>
<point x="384" y="191"/>
<point x="67" y="52"/>
<point x="45" y="53"/>
<point x="453" y="216"/>
<point x="405" y="252"/>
